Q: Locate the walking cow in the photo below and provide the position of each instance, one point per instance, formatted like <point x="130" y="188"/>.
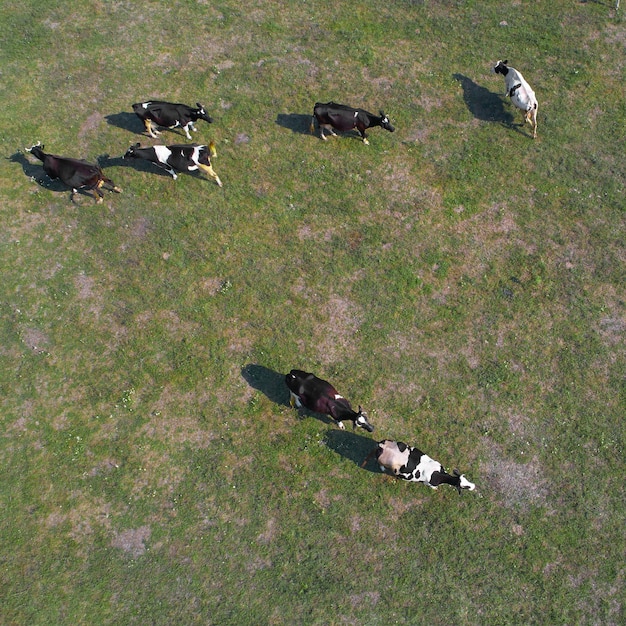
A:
<point x="332" y="116"/>
<point x="412" y="464"/>
<point x="520" y="92"/>
<point x="320" y="396"/>
<point x="75" y="173"/>
<point x="169" y="115"/>
<point x="181" y="158"/>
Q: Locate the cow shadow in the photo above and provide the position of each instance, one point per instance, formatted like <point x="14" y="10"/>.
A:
<point x="126" y="121"/>
<point x="295" y="122"/>
<point x="483" y="104"/>
<point x="352" y="446"/>
<point x="35" y="172"/>
<point x="267" y="381"/>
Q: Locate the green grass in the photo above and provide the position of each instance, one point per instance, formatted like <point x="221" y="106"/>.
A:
<point x="462" y="282"/>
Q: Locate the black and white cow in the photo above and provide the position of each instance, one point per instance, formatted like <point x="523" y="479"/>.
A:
<point x="181" y="158"/>
<point x="412" y="464"/>
<point x="520" y="92"/>
<point x="320" y="396"/>
<point x="333" y="116"/>
<point x="169" y="115"/>
<point x="75" y="173"/>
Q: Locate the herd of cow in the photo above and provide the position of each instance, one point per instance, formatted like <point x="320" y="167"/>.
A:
<point x="306" y="390"/>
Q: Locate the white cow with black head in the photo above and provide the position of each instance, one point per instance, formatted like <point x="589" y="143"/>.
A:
<point x="520" y="92"/>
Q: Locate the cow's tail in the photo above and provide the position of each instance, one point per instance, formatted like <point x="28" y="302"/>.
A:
<point x="212" y="150"/>
<point x="369" y="456"/>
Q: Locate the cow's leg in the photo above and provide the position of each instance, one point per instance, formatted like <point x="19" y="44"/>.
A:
<point x="152" y="132"/>
<point x="98" y="196"/>
<point x="294" y="400"/>
<point x="209" y="171"/>
<point x="329" y="128"/>
<point x="186" y="129"/>
<point x="531" y="118"/>
<point x="168" y="169"/>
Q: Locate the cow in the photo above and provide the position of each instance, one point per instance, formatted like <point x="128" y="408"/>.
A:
<point x="178" y="157"/>
<point x="75" y="173"/>
<point x="320" y="396"/>
<point x="333" y="116"/>
<point x="520" y="92"/>
<point x="169" y="115"/>
<point x="412" y="464"/>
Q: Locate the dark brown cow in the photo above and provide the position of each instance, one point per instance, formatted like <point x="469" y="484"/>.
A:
<point x="320" y="396"/>
<point x="74" y="173"/>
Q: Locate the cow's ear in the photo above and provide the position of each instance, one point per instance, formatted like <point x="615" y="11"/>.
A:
<point x="137" y="145"/>
<point x="199" y="105"/>
<point x="505" y="62"/>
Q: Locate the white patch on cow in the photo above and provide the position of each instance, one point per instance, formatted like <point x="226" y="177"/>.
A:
<point x="163" y="153"/>
<point x="338" y="396"/>
<point x="356" y="114"/>
<point x="145" y="105"/>
<point x="195" y="157"/>
<point x="294" y="400"/>
<point x="427" y="467"/>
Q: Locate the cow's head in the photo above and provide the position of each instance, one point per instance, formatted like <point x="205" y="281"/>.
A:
<point x="501" y="68"/>
<point x="202" y="114"/>
<point x="37" y="145"/>
<point x="361" y="421"/>
<point x="130" y="153"/>
<point x="463" y="482"/>
<point x="385" y="123"/>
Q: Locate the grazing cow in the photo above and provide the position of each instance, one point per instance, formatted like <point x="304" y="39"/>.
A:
<point x="320" y="396"/>
<point x="182" y="158"/>
<point x="169" y="115"/>
<point x="412" y="464"/>
<point x="520" y="92"/>
<point x="75" y="173"/>
<point x="333" y="116"/>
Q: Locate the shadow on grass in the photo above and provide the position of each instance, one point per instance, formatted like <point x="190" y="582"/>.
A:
<point x="483" y="104"/>
<point x="267" y="381"/>
<point x="126" y="121"/>
<point x="295" y="122"/>
<point x="352" y="446"/>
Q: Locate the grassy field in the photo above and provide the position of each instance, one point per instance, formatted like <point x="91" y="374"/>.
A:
<point x="462" y="282"/>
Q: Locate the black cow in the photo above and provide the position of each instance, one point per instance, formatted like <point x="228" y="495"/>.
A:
<point x="412" y="464"/>
<point x="333" y="116"/>
<point x="74" y="173"/>
<point x="320" y="396"/>
<point x="169" y="115"/>
<point x="181" y="158"/>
